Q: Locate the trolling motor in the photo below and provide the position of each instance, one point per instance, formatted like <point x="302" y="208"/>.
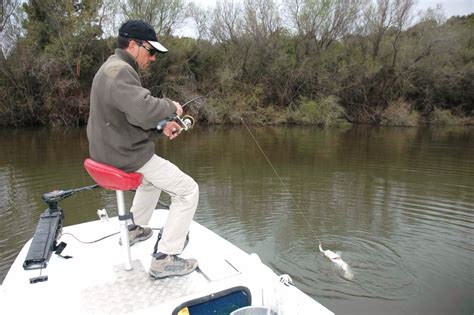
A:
<point x="48" y="231"/>
<point x="186" y="122"/>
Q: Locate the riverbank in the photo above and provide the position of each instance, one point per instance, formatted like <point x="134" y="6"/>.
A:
<point x="324" y="113"/>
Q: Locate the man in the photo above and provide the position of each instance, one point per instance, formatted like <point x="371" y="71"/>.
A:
<point x="123" y="116"/>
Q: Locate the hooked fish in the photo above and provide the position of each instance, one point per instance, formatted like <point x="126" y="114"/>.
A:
<point x="336" y="259"/>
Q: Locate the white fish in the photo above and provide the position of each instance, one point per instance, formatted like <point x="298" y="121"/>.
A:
<point x="335" y="258"/>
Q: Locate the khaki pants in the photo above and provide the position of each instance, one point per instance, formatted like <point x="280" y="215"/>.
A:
<point x="161" y="175"/>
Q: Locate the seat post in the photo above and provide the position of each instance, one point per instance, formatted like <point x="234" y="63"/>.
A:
<point x="124" y="230"/>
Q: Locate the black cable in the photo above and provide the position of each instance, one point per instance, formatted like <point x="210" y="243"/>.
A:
<point x="100" y="239"/>
<point x="91" y="242"/>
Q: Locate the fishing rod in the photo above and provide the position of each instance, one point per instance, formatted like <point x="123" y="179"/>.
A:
<point x="191" y="101"/>
<point x="186" y="122"/>
<point x="281" y="181"/>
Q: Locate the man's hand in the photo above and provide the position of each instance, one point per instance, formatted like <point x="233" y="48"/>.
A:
<point x="172" y="129"/>
<point x="179" y="109"/>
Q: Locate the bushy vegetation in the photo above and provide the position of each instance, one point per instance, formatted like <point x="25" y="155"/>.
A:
<point x="325" y="63"/>
<point x="400" y="114"/>
<point x="324" y="112"/>
<point x="444" y="117"/>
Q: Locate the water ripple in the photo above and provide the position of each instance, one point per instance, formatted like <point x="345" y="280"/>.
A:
<point x="380" y="272"/>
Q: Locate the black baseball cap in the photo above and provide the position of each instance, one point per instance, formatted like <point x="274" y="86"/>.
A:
<point x="141" y="30"/>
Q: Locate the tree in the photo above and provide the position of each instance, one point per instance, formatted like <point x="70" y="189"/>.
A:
<point x="387" y="15"/>
<point x="262" y="19"/>
<point x="200" y="17"/>
<point x="53" y="61"/>
<point x="10" y="23"/>
<point x="320" y="22"/>
<point x="62" y="30"/>
<point x="261" y="24"/>
<point x="163" y="15"/>
<point x="227" y="23"/>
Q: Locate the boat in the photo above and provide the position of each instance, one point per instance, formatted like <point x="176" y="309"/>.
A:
<point x="82" y="269"/>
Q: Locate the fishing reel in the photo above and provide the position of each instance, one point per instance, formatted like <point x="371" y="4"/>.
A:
<point x="186" y="122"/>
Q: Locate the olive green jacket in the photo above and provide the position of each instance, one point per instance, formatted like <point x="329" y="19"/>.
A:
<point x="123" y="114"/>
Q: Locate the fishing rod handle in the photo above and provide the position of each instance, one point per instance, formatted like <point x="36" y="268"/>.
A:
<point x="161" y="125"/>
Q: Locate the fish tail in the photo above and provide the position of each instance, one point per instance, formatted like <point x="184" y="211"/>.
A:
<point x="320" y="248"/>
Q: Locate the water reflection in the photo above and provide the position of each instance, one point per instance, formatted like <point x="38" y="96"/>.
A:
<point x="397" y="203"/>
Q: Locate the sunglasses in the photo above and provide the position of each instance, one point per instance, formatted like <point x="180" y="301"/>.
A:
<point x="151" y="51"/>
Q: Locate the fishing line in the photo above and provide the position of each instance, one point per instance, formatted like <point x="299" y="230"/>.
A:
<point x="281" y="181"/>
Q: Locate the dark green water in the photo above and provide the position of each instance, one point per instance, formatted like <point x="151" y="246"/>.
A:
<point x="397" y="203"/>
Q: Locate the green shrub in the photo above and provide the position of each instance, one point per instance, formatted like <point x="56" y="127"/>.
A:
<point x="231" y="108"/>
<point x="325" y="112"/>
<point x="444" y="117"/>
<point x="400" y="114"/>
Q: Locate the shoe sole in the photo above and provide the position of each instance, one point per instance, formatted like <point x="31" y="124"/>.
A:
<point x="162" y="275"/>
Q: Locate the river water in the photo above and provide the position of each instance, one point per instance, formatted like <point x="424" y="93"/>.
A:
<point x="397" y="203"/>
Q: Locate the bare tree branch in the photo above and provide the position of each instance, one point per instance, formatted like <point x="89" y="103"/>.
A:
<point x="163" y="15"/>
<point x="228" y="21"/>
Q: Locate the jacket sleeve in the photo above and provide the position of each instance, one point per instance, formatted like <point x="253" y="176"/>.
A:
<point x="139" y="106"/>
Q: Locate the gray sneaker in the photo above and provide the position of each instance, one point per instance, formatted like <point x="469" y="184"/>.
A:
<point x="138" y="234"/>
<point x="171" y="265"/>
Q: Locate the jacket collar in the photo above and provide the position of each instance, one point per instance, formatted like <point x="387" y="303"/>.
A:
<point x="125" y="56"/>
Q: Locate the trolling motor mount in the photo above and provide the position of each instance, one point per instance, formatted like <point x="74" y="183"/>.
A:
<point x="48" y="230"/>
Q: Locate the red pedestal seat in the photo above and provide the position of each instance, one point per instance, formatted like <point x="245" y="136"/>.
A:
<point x="109" y="177"/>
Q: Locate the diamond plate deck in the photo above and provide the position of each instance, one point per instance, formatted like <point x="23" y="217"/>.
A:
<point x="134" y="290"/>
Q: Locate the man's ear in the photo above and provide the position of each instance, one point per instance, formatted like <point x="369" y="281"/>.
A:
<point x="132" y="46"/>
